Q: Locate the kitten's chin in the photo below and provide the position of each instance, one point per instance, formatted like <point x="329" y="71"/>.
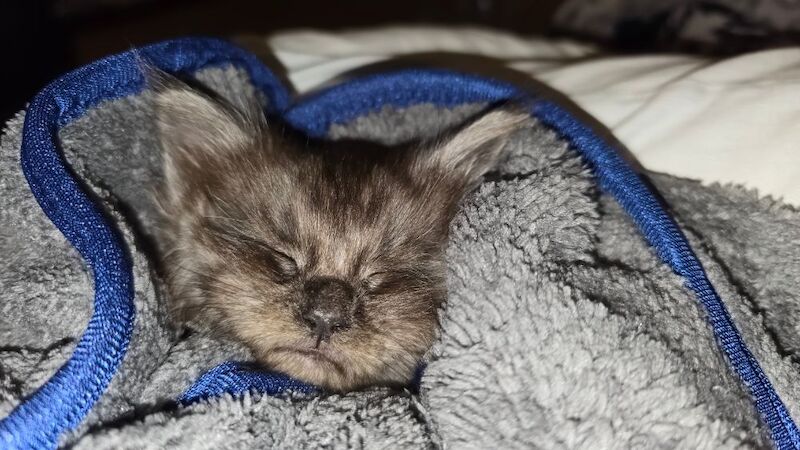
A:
<point x="327" y="369"/>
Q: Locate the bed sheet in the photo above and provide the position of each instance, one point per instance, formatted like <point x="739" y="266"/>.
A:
<point x="727" y="120"/>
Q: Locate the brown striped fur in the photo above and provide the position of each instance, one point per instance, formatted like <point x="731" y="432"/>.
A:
<point x="256" y="219"/>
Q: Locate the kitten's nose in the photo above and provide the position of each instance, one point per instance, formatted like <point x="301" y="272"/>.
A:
<point x="328" y="307"/>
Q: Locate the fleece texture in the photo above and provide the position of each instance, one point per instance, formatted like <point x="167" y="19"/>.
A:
<point x="562" y="328"/>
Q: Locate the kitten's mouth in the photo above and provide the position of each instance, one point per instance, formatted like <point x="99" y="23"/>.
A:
<point x="313" y="354"/>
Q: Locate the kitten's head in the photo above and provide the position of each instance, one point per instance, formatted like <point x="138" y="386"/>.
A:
<point x="326" y="260"/>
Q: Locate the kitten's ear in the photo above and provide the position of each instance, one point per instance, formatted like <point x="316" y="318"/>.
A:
<point x="196" y="130"/>
<point x="476" y="148"/>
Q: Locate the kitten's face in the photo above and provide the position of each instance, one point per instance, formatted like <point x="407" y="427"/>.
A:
<point x="323" y="269"/>
<point x="328" y="263"/>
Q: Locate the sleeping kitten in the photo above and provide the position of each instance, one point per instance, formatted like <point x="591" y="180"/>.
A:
<point x="327" y="262"/>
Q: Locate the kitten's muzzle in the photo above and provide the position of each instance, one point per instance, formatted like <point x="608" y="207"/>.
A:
<point x="328" y="307"/>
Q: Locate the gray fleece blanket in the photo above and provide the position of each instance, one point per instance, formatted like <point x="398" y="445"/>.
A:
<point x="562" y="328"/>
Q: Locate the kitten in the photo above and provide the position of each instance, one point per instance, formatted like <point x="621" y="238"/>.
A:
<point x="327" y="262"/>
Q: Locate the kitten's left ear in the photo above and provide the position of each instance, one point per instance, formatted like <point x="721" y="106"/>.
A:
<point x="476" y="148"/>
<point x="194" y="127"/>
<point x="198" y="131"/>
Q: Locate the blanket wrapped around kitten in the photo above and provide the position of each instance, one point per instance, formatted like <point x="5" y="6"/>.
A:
<point x="562" y="328"/>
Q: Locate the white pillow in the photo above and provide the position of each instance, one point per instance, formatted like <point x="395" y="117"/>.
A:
<point x="730" y="121"/>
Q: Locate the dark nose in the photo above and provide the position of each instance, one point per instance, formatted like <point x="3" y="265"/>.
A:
<point x="328" y="306"/>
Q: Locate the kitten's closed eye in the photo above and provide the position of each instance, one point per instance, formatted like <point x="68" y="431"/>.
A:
<point x="390" y="281"/>
<point x="375" y="281"/>
<point x="283" y="266"/>
<point x="280" y="265"/>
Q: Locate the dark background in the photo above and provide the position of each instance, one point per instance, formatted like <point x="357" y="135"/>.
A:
<point x="44" y="38"/>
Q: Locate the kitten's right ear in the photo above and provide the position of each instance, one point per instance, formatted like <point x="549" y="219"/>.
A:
<point x="196" y="130"/>
<point x="466" y="155"/>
